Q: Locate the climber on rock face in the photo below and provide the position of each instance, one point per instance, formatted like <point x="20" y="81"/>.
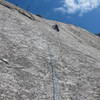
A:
<point x="55" y="27"/>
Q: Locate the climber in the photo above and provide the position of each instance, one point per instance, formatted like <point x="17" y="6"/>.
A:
<point x="55" y="27"/>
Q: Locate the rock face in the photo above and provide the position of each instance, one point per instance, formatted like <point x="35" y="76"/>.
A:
<point x="39" y="63"/>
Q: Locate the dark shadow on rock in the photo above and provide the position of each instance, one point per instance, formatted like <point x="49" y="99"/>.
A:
<point x="55" y="27"/>
<point x="38" y="15"/>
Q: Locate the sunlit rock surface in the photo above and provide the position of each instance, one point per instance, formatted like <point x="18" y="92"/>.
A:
<point x="39" y="63"/>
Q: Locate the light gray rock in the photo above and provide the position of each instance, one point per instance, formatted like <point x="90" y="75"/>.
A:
<point x="39" y="63"/>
